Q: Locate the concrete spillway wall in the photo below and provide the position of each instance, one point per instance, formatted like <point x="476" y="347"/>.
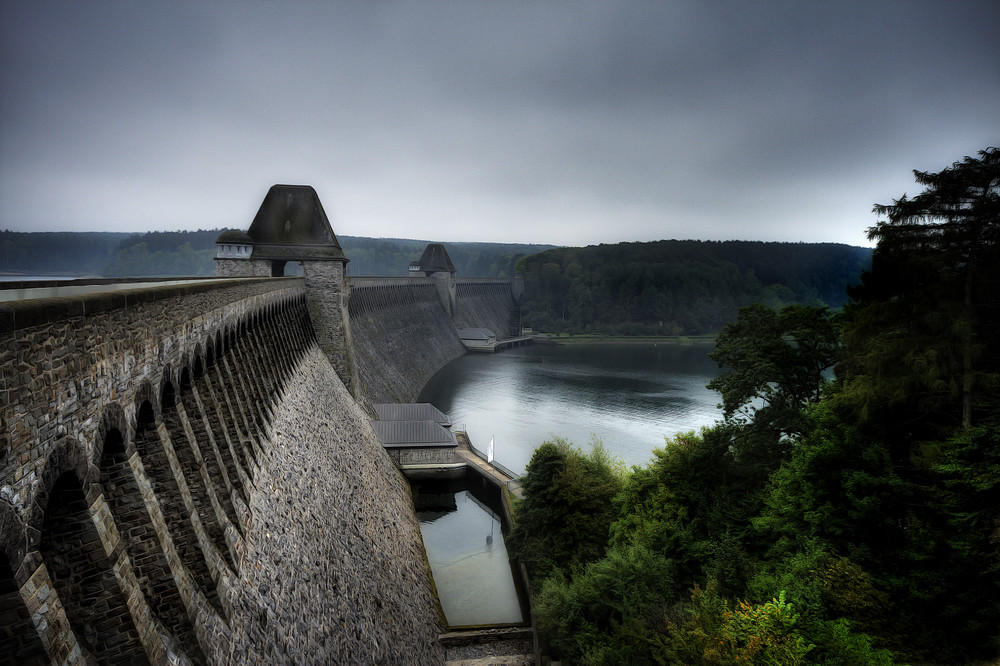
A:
<point x="184" y="479"/>
<point x="402" y="336"/>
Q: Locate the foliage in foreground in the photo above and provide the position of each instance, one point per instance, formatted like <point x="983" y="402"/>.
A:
<point x="856" y="522"/>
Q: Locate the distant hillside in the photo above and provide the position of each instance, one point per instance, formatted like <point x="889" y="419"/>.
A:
<point x="56" y="253"/>
<point x="168" y="253"/>
<point x="389" y="257"/>
<point x="679" y="287"/>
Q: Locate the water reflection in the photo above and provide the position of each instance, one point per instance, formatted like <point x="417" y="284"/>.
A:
<point x="629" y="396"/>
<point x="461" y="526"/>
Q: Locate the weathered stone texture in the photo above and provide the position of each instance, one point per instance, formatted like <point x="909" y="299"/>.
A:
<point x="242" y="268"/>
<point x="326" y="297"/>
<point x="425" y="456"/>
<point x="402" y="336"/>
<point x="486" y="304"/>
<point x="134" y="573"/>
<point x="184" y="477"/>
<point x="65" y="360"/>
<point x="333" y="532"/>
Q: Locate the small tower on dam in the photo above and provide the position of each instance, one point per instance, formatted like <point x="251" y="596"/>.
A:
<point x="291" y="226"/>
<point x="436" y="263"/>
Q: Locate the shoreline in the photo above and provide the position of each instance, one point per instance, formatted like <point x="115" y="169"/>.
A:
<point x="628" y="340"/>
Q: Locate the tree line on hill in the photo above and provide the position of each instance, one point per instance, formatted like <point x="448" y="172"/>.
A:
<point x="676" y="287"/>
<point x="57" y="253"/>
<point x="661" y="288"/>
<point x="852" y="520"/>
<point x="191" y="253"/>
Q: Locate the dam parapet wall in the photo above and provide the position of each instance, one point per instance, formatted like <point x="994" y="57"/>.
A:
<point x="66" y="359"/>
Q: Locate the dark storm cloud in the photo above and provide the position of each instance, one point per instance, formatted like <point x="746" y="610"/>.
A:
<point x="567" y="123"/>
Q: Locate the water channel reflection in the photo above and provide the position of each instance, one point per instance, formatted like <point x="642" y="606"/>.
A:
<point x="462" y="530"/>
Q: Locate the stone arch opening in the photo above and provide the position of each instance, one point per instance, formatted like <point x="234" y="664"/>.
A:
<point x="18" y="638"/>
<point x="145" y="416"/>
<point x="168" y="493"/>
<point x="285" y="268"/>
<point x="195" y="454"/>
<point x="185" y="379"/>
<point x="168" y="397"/>
<point x="149" y="563"/>
<point x="82" y="576"/>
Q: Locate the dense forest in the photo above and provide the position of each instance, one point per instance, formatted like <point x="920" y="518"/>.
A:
<point x="852" y="520"/>
<point x="56" y="253"/>
<point x="164" y="253"/>
<point x="675" y="287"/>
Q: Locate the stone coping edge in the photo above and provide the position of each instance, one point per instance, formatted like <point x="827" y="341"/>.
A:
<point x="478" y="633"/>
<point x="16" y="315"/>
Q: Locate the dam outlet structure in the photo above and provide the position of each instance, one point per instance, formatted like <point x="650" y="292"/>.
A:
<point x="188" y="472"/>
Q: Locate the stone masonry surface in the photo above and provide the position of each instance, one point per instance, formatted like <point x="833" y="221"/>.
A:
<point x="189" y="457"/>
<point x="334" y="570"/>
<point x="402" y="336"/>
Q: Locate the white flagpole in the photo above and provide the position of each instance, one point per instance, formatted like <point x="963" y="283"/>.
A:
<point x="489" y="451"/>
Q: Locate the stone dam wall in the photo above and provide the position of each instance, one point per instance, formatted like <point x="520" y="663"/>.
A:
<point x="487" y="304"/>
<point x="402" y="336"/>
<point x="184" y="479"/>
<point x="402" y="333"/>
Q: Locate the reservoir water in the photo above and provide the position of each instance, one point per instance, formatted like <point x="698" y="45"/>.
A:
<point x="629" y="396"/>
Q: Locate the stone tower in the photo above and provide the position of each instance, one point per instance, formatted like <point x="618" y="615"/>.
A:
<point x="291" y="226"/>
<point x="436" y="263"/>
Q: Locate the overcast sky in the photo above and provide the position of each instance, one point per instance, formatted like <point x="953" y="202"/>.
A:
<point x="543" y="122"/>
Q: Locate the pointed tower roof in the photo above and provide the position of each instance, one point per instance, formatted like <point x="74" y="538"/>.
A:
<point x="291" y="224"/>
<point x="435" y="259"/>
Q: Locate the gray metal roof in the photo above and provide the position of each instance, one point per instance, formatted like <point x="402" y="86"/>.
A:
<point x="411" y="411"/>
<point x="413" y="434"/>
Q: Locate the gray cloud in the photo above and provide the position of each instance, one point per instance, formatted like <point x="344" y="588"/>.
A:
<point x="567" y="123"/>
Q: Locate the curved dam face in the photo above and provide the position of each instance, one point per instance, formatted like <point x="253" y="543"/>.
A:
<point x="402" y="336"/>
<point x="404" y="331"/>
<point x="185" y="479"/>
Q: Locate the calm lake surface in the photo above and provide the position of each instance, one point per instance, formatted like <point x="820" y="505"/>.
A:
<point x="630" y="396"/>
